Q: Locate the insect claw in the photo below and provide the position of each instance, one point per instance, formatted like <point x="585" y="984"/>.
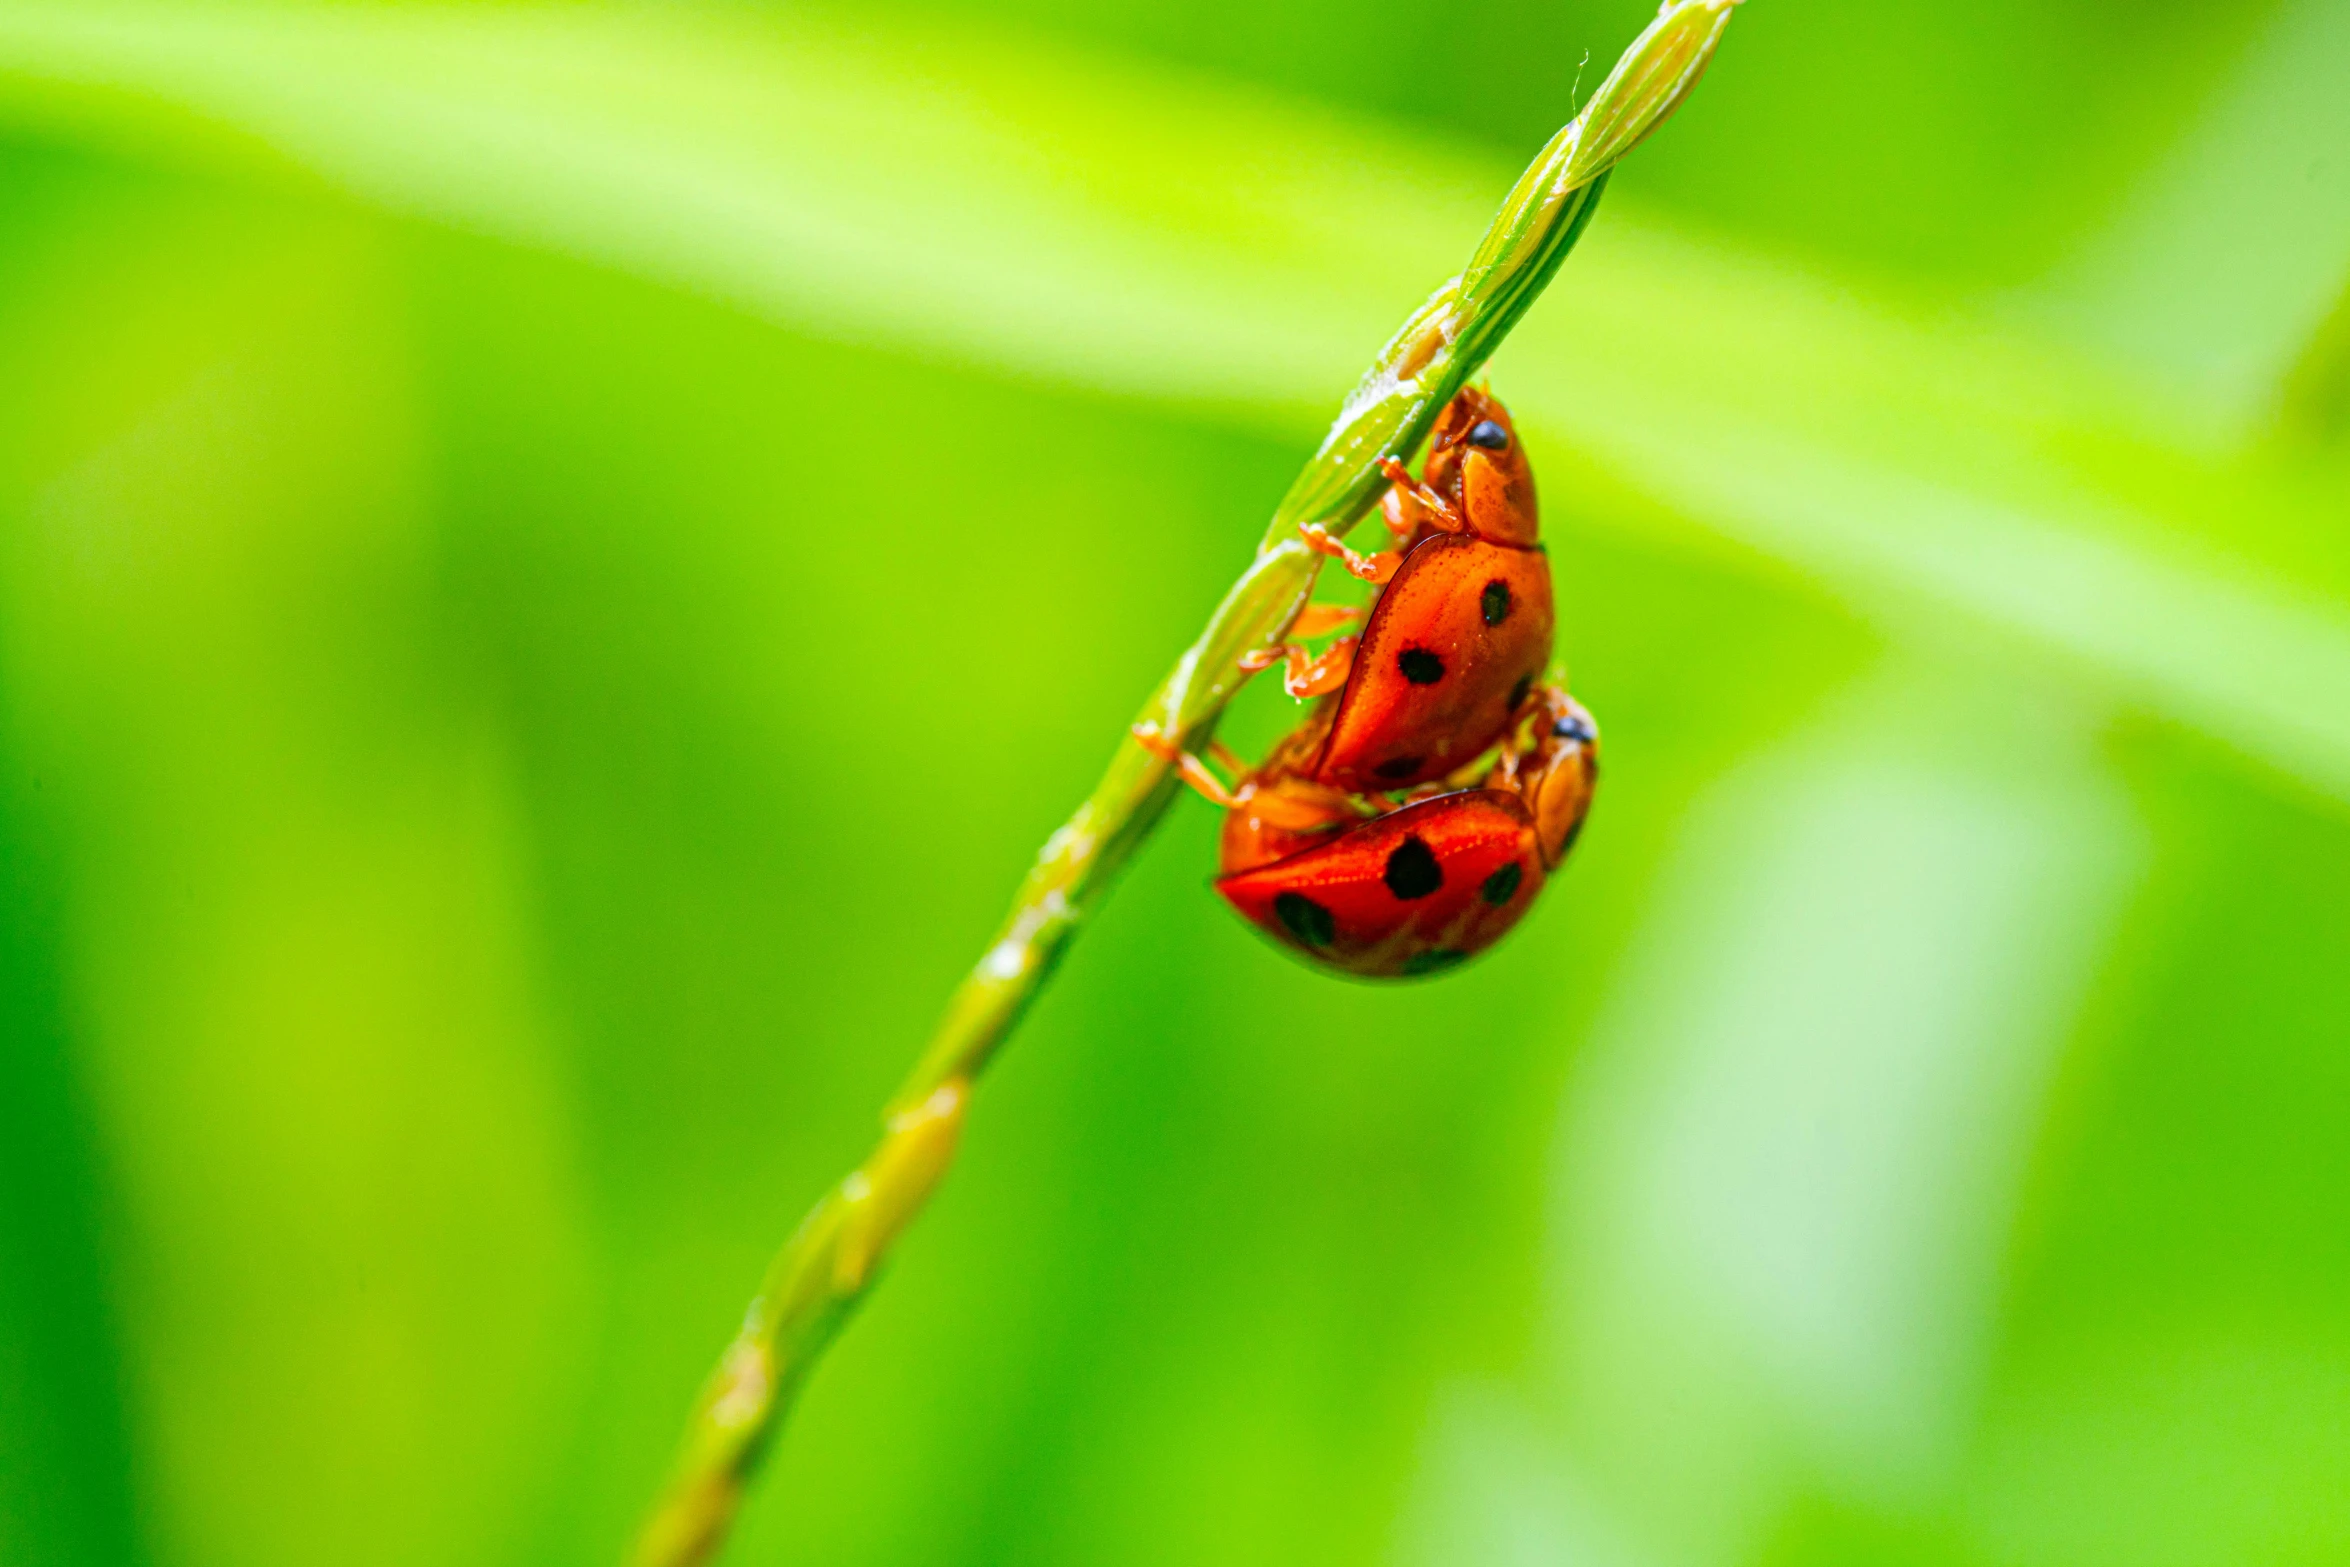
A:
<point x="1371" y="568"/>
<point x="1320" y="619"/>
<point x="1190" y="768"/>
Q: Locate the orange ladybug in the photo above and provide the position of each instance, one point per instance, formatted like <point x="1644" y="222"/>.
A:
<point x="1462" y="629"/>
<point x="1429" y="884"/>
<point x="1411" y="820"/>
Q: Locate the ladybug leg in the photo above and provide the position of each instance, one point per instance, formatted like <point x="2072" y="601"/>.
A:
<point x="1402" y="513"/>
<point x="1293" y="805"/>
<point x="1405" y="513"/>
<point x="1224" y="756"/>
<point x="1319" y="620"/>
<point x="1410" y="496"/>
<point x="1206" y="784"/>
<point x="1306" y="674"/>
<point x="1190" y="768"/>
<point x="1371" y="568"/>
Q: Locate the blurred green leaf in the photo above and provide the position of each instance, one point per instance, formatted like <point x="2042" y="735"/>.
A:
<point x="1811" y="1103"/>
<point x="292" y="904"/>
<point x="496" y="777"/>
<point x="2170" y="281"/>
<point x="1199" y="245"/>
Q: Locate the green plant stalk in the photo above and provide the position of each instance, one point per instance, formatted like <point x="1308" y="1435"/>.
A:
<point x="830" y="1261"/>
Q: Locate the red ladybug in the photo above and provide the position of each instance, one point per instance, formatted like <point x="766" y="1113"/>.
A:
<point x="1424" y="886"/>
<point x="1410" y="821"/>
<point x="1460" y="633"/>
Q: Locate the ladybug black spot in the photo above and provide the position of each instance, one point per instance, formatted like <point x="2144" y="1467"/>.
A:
<point x="1434" y="961"/>
<point x="1495" y="602"/>
<point x="1574" y="727"/>
<point x="1419" y="666"/>
<point x="1502" y="885"/>
<point x="1490" y="435"/>
<point x="1412" y="871"/>
<point x="1397" y="768"/>
<point x="1518" y="692"/>
<point x="1305" y="919"/>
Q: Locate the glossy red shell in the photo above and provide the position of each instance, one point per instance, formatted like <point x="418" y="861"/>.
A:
<point x="1315" y="852"/>
<point x="1461" y="633"/>
<point x="1413" y="892"/>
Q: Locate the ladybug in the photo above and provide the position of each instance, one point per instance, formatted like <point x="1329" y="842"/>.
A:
<point x="1424" y="886"/>
<point x="1411" y="820"/>
<point x="1461" y="630"/>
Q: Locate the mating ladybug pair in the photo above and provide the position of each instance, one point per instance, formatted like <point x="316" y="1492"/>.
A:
<point x="1414" y="815"/>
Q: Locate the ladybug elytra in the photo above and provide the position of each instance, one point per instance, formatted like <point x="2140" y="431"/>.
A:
<point x="1463" y="625"/>
<point x="1429" y="884"/>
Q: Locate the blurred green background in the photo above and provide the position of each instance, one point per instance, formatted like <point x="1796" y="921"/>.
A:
<point x="556" y="562"/>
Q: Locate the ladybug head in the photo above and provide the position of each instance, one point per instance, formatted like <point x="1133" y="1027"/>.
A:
<point x="1558" y="776"/>
<point x="1477" y="464"/>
